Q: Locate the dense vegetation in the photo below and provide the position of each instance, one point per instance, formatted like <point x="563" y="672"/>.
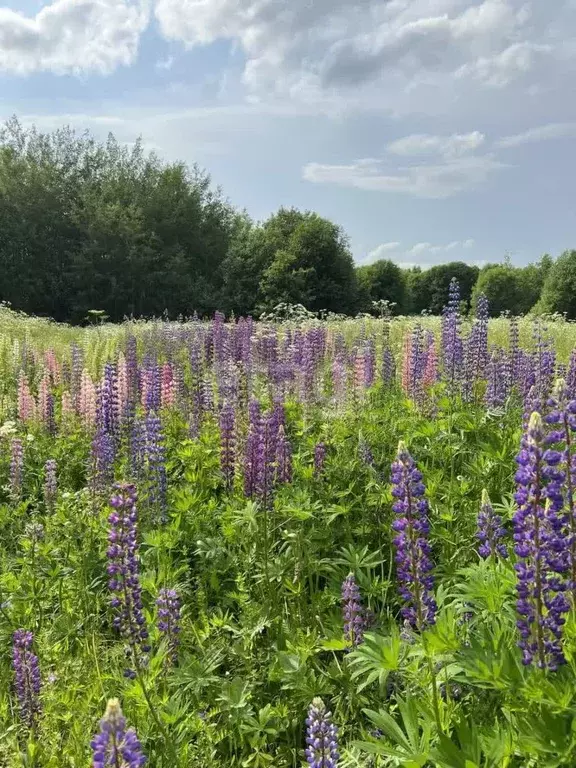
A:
<point x="365" y="517"/>
<point x="85" y="226"/>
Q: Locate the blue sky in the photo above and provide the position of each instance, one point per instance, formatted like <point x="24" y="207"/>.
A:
<point x="431" y="130"/>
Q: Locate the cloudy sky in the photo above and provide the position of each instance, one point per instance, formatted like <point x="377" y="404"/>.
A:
<point x="432" y="130"/>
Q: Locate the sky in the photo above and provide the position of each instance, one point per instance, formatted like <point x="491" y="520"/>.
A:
<point x="430" y="130"/>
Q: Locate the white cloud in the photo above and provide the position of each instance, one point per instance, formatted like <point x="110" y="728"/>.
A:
<point x="448" y="146"/>
<point x="383" y="251"/>
<point x="166" y="63"/>
<point x="440" y="179"/>
<point x="305" y="48"/>
<point x="72" y="36"/>
<point x="540" y="133"/>
<point x="423" y="254"/>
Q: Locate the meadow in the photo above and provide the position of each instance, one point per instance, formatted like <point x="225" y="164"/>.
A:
<point x="342" y="543"/>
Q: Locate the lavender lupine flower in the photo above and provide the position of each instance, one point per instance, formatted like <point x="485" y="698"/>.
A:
<point x="156" y="465"/>
<point x="497" y="388"/>
<point x="266" y="456"/>
<point x="123" y="571"/>
<point x="137" y="449"/>
<point x="490" y="531"/>
<point x="561" y="472"/>
<point x="417" y="365"/>
<point x="388" y="366"/>
<point x="571" y="375"/>
<point x="365" y="453"/>
<point x="476" y="355"/>
<point x="115" y="746"/>
<point x="108" y="406"/>
<point x="16" y="467"/>
<point x="514" y="347"/>
<point x="27" y="681"/>
<point x="413" y="561"/>
<point x="228" y="444"/>
<point x="251" y="449"/>
<point x="168" y="604"/>
<point x="321" y="737"/>
<point x="452" y="347"/>
<point x="353" y="611"/>
<point x="545" y="362"/>
<point x="538" y="541"/>
<point x="103" y="455"/>
<point x="283" y="458"/>
<point x="50" y="483"/>
<point x="320" y="450"/>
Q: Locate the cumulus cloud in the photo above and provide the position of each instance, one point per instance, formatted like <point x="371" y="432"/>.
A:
<point x="422" y="254"/>
<point x="540" y="133"/>
<point x="72" y="36"/>
<point x="449" y="146"/>
<point x="305" y="48"/>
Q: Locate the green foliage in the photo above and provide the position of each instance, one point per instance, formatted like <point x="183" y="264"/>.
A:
<point x="559" y="292"/>
<point x="383" y="280"/>
<point x="428" y="290"/>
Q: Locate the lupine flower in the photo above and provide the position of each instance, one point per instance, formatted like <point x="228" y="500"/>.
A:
<point x="490" y="530"/>
<point x="319" y="458"/>
<point x="365" y="453"/>
<point x="353" y="611"/>
<point x="539" y="542"/>
<point x="87" y="400"/>
<point x="27" y="682"/>
<point x="167" y="386"/>
<point x="115" y="745"/>
<point x="16" y="467"/>
<point x="321" y="737"/>
<point x="251" y="449"/>
<point x="50" y="483"/>
<point x="102" y="458"/>
<point x="413" y="561"/>
<point x="283" y="458"/>
<point x="123" y="570"/>
<point x="228" y="444"/>
<point x="452" y="347"/>
<point x="388" y="366"/>
<point x="26" y="401"/>
<point x="168" y="604"/>
<point x="156" y="465"/>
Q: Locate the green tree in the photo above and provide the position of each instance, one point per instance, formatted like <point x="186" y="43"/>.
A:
<point x="502" y="286"/>
<point x="429" y="289"/>
<point x="559" y="291"/>
<point x="383" y="280"/>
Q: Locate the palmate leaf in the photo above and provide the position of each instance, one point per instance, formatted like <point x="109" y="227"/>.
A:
<point x="409" y="744"/>
<point x="376" y="658"/>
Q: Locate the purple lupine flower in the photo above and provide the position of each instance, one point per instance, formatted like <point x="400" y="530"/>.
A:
<point x="283" y="458"/>
<point x="320" y="450"/>
<point x="388" y="366"/>
<point x="137" y="449"/>
<point x="497" y="388"/>
<point x="123" y="571"/>
<point x="16" y="467"/>
<point x="490" y="531"/>
<point x="27" y="681"/>
<point x="417" y="365"/>
<point x="168" y="604"/>
<point x="413" y="561"/>
<point x="365" y="453"/>
<point x="476" y="352"/>
<point x="76" y="368"/>
<point x="514" y="347"/>
<point x="108" y="405"/>
<point x="266" y="454"/>
<point x="132" y="368"/>
<point x="103" y="454"/>
<point x="353" y="611"/>
<point x="545" y="362"/>
<point x="571" y="376"/>
<point x="561" y="472"/>
<point x="538" y="541"/>
<point x="452" y="347"/>
<point x="321" y="737"/>
<point x="251" y="448"/>
<point x="155" y="460"/>
<point x="50" y="483"/>
<point x="228" y="444"/>
<point x="114" y="745"/>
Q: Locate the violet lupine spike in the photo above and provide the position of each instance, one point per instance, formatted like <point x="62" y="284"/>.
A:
<point x="413" y="561"/>
<point x="365" y="453"/>
<point x="265" y="459"/>
<point x="321" y="737"/>
<point x="103" y="454"/>
<point x="50" y="487"/>
<point x="16" y="467"/>
<point x="124" y="575"/>
<point x="251" y="449"/>
<point x="353" y="611"/>
<point x="155" y="455"/>
<point x="320" y="450"/>
<point x="417" y="365"/>
<point x="27" y="681"/>
<point x="168" y="604"/>
<point x="228" y="444"/>
<point x="490" y="531"/>
<point x="452" y="347"/>
<point x="115" y="746"/>
<point x="561" y="490"/>
<point x="283" y="458"/>
<point x="541" y="601"/>
<point x="388" y="366"/>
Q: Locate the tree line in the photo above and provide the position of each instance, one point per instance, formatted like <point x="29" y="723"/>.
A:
<point x="86" y="226"/>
